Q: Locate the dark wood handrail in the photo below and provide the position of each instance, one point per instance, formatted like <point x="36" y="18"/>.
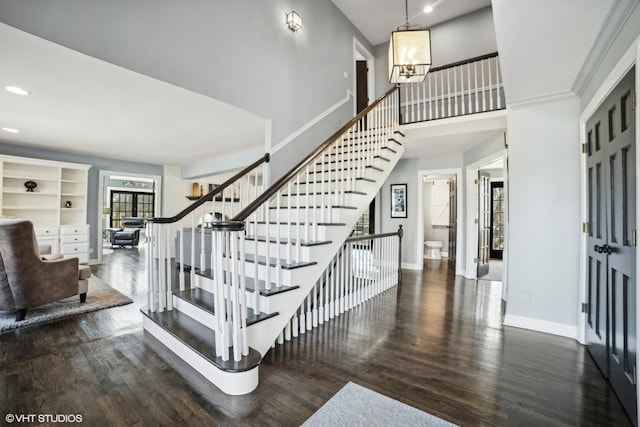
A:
<point x="209" y="196"/>
<point x="465" y="61"/>
<point x="373" y="236"/>
<point x="266" y="195"/>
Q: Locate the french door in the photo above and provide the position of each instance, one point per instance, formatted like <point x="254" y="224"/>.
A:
<point x="453" y="221"/>
<point x="611" y="241"/>
<point x="484" y="222"/>
<point x="130" y="204"/>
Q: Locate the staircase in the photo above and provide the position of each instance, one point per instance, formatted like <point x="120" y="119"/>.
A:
<point x="222" y="292"/>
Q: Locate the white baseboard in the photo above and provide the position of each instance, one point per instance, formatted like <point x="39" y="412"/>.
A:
<point x="538" y="325"/>
<point x="411" y="266"/>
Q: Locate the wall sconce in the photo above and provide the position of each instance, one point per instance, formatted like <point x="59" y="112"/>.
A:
<point x="294" y="21"/>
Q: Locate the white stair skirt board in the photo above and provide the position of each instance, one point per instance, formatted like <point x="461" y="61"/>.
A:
<point x="233" y="383"/>
<point x="544" y="326"/>
<point x="262" y="335"/>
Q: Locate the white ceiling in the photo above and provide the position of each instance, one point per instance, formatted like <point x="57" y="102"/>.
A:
<point x="83" y="105"/>
<point x="377" y="18"/>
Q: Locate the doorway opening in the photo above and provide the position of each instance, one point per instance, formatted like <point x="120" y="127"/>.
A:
<point x="440" y="218"/>
<point x="123" y="195"/>
<point x="491" y="224"/>
<point x="364" y="76"/>
<point x="487" y="210"/>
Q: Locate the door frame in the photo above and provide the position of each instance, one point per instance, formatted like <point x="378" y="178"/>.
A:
<point x="359" y="48"/>
<point x="472" y="213"/>
<point x="101" y="189"/>
<point x="628" y="60"/>
<point x="460" y="218"/>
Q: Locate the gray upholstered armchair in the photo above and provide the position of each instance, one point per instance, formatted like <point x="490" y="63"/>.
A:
<point x="28" y="281"/>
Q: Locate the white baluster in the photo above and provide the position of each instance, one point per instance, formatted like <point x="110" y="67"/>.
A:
<point x="499" y="84"/>
<point x="455" y="91"/>
<point x="475" y="75"/>
<point x="484" y="98"/>
<point x="448" y="92"/>
<point x="470" y="110"/>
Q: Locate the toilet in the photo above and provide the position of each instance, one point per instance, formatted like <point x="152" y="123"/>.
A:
<point x="433" y="249"/>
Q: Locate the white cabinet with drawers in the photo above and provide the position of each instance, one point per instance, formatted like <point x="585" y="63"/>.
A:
<point x="74" y="242"/>
<point x="49" y="236"/>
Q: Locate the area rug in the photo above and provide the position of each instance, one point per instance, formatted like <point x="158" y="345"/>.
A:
<point x="99" y="296"/>
<point x="355" y="405"/>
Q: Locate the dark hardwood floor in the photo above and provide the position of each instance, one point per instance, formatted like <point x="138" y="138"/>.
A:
<point x="435" y="342"/>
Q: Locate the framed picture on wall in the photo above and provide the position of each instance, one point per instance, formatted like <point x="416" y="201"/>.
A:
<point x="398" y="200"/>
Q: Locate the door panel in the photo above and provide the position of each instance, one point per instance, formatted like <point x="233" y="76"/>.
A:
<point x="497" y="220"/>
<point x="611" y="252"/>
<point x="484" y="222"/>
<point x="453" y="221"/>
<point x="621" y="261"/>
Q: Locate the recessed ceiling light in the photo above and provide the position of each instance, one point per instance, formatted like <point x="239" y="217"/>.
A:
<point x="17" y="90"/>
<point x="11" y="130"/>
<point x="428" y="9"/>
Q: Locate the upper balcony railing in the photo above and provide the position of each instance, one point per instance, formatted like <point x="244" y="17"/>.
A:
<point x="466" y="87"/>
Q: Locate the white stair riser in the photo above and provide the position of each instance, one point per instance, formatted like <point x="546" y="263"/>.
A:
<point x="280" y="250"/>
<point x="358" y="171"/>
<point x="206" y="318"/>
<point x="305" y="214"/>
<point x="233" y="383"/>
<point x="319" y="232"/>
<point x="345" y="199"/>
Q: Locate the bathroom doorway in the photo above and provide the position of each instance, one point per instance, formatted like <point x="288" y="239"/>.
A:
<point x="439" y="216"/>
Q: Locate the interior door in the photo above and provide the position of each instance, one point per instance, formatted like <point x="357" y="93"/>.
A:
<point x="497" y="220"/>
<point x="611" y="278"/>
<point x="484" y="222"/>
<point x="453" y="221"/>
<point x="362" y="88"/>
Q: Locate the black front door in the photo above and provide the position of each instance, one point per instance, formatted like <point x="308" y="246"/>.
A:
<point x="611" y="248"/>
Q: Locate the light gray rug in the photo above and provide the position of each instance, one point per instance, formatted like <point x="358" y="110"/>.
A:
<point x="99" y="296"/>
<point x="355" y="405"/>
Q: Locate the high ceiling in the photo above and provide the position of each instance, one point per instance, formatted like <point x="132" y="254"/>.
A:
<point x="383" y="16"/>
<point x="83" y="105"/>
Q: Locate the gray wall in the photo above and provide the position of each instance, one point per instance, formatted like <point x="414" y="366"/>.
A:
<point x="544" y="213"/>
<point x="97" y="164"/>
<point x="406" y="171"/>
<point x="462" y="38"/>
<point x="237" y="52"/>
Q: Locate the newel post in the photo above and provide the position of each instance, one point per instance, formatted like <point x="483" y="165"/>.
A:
<point x="400" y="233"/>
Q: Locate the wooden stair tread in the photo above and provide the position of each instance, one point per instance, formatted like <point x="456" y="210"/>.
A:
<point x="320" y="193"/>
<point x="205" y="300"/>
<point x="311" y="207"/>
<point x="284" y="241"/>
<point x="262" y="260"/>
<point x="357" y="159"/>
<point x="322" y="224"/>
<point x="251" y="285"/>
<point x="200" y="339"/>
<point x="349" y="168"/>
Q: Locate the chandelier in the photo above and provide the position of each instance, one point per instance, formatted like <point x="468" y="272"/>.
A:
<point x="409" y="53"/>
